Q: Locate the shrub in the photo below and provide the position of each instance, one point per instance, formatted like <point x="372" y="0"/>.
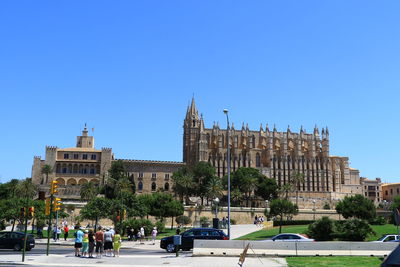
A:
<point x="322" y="230"/>
<point x="378" y="220"/>
<point x="137" y="223"/>
<point x="183" y="219"/>
<point x="327" y="206"/>
<point x="233" y="221"/>
<point x="203" y="219"/>
<point x="160" y="226"/>
<point x="2" y="225"/>
<point x="353" y="230"/>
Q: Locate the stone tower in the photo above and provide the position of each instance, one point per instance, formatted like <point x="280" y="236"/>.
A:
<point x="194" y="137"/>
<point x="85" y="141"/>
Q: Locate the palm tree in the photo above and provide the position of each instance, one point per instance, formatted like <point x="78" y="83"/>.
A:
<point x="214" y="187"/>
<point x="183" y="185"/>
<point x="297" y="179"/>
<point x="123" y="185"/>
<point x="88" y="191"/>
<point x="284" y="190"/>
<point x="46" y="169"/>
<point x="26" y="189"/>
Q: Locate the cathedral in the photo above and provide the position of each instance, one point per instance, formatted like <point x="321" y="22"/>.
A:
<point x="277" y="155"/>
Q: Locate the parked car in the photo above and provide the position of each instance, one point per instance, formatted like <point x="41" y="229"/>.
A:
<point x="287" y="237"/>
<point x="15" y="240"/>
<point x="388" y="238"/>
<point x="188" y="236"/>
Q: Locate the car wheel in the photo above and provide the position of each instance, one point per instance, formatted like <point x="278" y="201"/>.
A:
<point x="17" y="247"/>
<point x="170" y="248"/>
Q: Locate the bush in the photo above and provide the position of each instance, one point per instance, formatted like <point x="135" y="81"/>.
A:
<point x="353" y="230"/>
<point x="204" y="219"/>
<point x="137" y="223"/>
<point x="233" y="221"/>
<point x="294" y="222"/>
<point x="160" y="226"/>
<point x="183" y="219"/>
<point x="327" y="206"/>
<point x="378" y="220"/>
<point x="322" y="230"/>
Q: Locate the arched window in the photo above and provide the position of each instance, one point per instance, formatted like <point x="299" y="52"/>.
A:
<point x="166" y="186"/>
<point x="153" y="186"/>
<point x="253" y="141"/>
<point x="258" y="160"/>
<point x="140" y="186"/>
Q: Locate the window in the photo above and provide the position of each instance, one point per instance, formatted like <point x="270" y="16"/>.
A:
<point x="365" y="193"/>
<point x="188" y="233"/>
<point x="258" y="160"/>
<point x="154" y="175"/>
<point x="84" y="156"/>
<point x="166" y="176"/>
<point x="153" y="186"/>
<point x="391" y="191"/>
<point x="397" y="190"/>
<point x="371" y="188"/>
<point x="76" y="156"/>
<point x="386" y="192"/>
<point x="64" y="170"/>
<point x="93" y="156"/>
<point x="166" y="187"/>
<point x="92" y="171"/>
<point x="140" y="174"/>
<point x="66" y="156"/>
<point x="140" y="186"/>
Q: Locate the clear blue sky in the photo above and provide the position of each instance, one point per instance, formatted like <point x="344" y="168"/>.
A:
<point x="130" y="68"/>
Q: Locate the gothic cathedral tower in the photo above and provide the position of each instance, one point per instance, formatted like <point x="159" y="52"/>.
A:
<point x="194" y="137"/>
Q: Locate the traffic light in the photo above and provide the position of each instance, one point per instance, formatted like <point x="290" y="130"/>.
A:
<point x="57" y="204"/>
<point x="31" y="211"/>
<point x="22" y="212"/>
<point x="53" y="187"/>
<point x="47" y="211"/>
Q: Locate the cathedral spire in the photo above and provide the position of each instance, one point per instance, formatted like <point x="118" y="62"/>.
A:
<point x="192" y="111"/>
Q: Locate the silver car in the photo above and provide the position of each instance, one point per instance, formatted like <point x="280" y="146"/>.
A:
<point x="288" y="237"/>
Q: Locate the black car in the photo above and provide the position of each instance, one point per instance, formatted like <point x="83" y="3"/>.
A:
<point x="188" y="236"/>
<point x="15" y="240"/>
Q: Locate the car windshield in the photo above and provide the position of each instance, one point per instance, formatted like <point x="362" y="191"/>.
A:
<point x="383" y="238"/>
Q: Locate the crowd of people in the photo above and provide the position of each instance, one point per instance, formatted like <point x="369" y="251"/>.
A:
<point x="259" y="220"/>
<point x="106" y="241"/>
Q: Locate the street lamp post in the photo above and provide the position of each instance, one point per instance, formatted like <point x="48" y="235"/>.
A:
<point x="216" y="202"/>
<point x="228" y="158"/>
<point x="266" y="209"/>
<point x="314" y="207"/>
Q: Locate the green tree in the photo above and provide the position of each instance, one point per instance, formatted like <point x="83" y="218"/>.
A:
<point x="296" y="180"/>
<point x="46" y="170"/>
<point x="97" y="208"/>
<point x="26" y="189"/>
<point x="267" y="188"/>
<point x="281" y="208"/>
<point x="118" y="180"/>
<point x="7" y="190"/>
<point x="246" y="180"/>
<point x="353" y="230"/>
<point x="173" y="209"/>
<point x="89" y="191"/>
<point x="356" y="207"/>
<point x="203" y="172"/>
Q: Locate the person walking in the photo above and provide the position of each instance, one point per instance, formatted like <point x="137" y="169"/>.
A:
<point x="58" y="232"/>
<point x="117" y="243"/>
<point x="142" y="235"/>
<point x="154" y="235"/>
<point x="55" y="228"/>
<point x="78" y="241"/>
<point x="91" y="243"/>
<point x="85" y="244"/>
<point x="108" y="242"/>
<point x="66" y="230"/>
<point x="99" y="237"/>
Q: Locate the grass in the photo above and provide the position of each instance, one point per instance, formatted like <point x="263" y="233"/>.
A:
<point x="266" y="234"/>
<point x="339" y="261"/>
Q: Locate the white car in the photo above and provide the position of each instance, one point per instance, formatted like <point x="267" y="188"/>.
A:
<point x="388" y="238"/>
<point x="287" y="237"/>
